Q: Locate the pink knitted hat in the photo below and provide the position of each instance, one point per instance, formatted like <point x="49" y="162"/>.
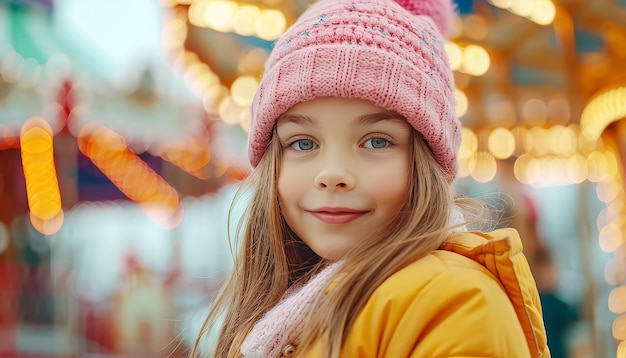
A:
<point x="390" y="53"/>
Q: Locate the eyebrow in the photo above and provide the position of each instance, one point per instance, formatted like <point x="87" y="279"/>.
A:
<point x="295" y="118"/>
<point x="372" y="118"/>
<point x="369" y="118"/>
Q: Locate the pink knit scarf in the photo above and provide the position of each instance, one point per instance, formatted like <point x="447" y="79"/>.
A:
<point x="283" y="323"/>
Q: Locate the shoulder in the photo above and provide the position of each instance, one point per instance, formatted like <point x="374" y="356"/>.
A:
<point x="415" y="309"/>
<point x="479" y="260"/>
<point x="461" y="273"/>
<point x="440" y="274"/>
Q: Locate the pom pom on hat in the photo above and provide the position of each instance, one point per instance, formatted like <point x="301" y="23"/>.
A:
<point x="390" y="53"/>
<point x="441" y="11"/>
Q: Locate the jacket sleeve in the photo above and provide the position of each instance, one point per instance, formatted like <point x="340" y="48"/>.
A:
<point x="459" y="312"/>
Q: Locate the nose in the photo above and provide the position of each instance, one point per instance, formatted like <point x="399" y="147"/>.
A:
<point x="335" y="174"/>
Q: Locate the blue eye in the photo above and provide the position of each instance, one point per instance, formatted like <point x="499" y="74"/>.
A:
<point x="376" y="143"/>
<point x="303" y="144"/>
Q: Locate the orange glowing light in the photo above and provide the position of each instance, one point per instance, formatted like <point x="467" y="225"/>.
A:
<point x="42" y="186"/>
<point x="131" y="175"/>
<point x="619" y="328"/>
<point x="191" y="155"/>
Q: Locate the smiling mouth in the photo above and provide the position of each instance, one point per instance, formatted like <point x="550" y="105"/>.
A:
<point x="337" y="217"/>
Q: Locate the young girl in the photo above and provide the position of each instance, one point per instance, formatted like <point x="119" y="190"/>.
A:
<point x="351" y="245"/>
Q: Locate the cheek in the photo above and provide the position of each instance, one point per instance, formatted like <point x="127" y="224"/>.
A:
<point x="391" y="192"/>
<point x="289" y="185"/>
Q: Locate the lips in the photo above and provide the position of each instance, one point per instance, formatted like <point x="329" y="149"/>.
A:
<point x="337" y="215"/>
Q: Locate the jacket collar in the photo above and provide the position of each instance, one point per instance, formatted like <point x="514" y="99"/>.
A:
<point x="500" y="252"/>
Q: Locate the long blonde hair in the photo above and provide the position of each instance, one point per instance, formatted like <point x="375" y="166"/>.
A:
<point x="270" y="257"/>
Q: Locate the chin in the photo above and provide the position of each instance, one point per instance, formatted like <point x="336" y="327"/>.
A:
<point x="330" y="253"/>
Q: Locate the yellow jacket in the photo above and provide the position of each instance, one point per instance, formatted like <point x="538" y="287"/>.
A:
<point x="475" y="297"/>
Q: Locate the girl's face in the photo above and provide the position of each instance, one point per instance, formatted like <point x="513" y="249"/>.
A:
<point x="344" y="171"/>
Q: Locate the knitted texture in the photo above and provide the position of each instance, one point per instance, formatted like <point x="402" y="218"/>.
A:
<point x="374" y="50"/>
<point x="283" y="323"/>
<point x="440" y="11"/>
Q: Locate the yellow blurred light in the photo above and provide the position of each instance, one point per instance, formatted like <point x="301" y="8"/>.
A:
<point x="243" y="89"/>
<point x="45" y="203"/>
<point x="195" y="14"/>
<point x="463" y="170"/>
<point x="190" y="58"/>
<point x="520" y="168"/>
<point x="621" y="349"/>
<point x="536" y="172"/>
<point x="229" y="111"/>
<point x="502" y="4"/>
<point x="455" y="55"/>
<point x="501" y="143"/>
<point x="522" y="7"/>
<point x="212" y="97"/>
<point x="608" y="190"/>
<point x="270" y="24"/>
<point x="475" y="61"/>
<point x="528" y="141"/>
<point x="461" y="102"/>
<point x="606" y="108"/>
<point x="609" y="214"/>
<point x="168" y="3"/>
<point x="42" y="187"/>
<point x="36" y="166"/>
<point x="469" y="144"/>
<point x="588" y="145"/>
<point x="219" y="15"/>
<point x="483" y="167"/>
<point x="597" y="166"/>
<point x="552" y="137"/>
<point x="577" y="170"/>
<point x="204" y="81"/>
<point x="540" y="145"/>
<point x="559" y="171"/>
<point x="36" y="140"/>
<point x="612" y="164"/>
<point x="567" y="141"/>
<point x="520" y="134"/>
<point x="244" y="20"/>
<point x="610" y="238"/>
<point x="176" y="33"/>
<point x="194" y="70"/>
<point x="543" y="12"/>
<point x="619" y="328"/>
